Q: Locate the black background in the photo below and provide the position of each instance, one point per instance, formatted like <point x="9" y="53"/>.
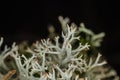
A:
<point x="28" y="20"/>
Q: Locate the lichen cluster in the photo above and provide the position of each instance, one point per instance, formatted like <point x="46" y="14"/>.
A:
<point x="52" y="59"/>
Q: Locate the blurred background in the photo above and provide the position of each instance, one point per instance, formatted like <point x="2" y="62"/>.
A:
<point x="28" y="20"/>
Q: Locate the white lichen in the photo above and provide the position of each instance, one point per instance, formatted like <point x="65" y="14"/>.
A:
<point x="58" y="60"/>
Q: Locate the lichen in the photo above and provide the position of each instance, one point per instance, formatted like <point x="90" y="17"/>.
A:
<point x="52" y="59"/>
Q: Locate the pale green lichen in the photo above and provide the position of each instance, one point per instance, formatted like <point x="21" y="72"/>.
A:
<point x="50" y="59"/>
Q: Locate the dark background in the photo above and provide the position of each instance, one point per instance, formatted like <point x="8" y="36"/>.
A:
<point x="28" y="20"/>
